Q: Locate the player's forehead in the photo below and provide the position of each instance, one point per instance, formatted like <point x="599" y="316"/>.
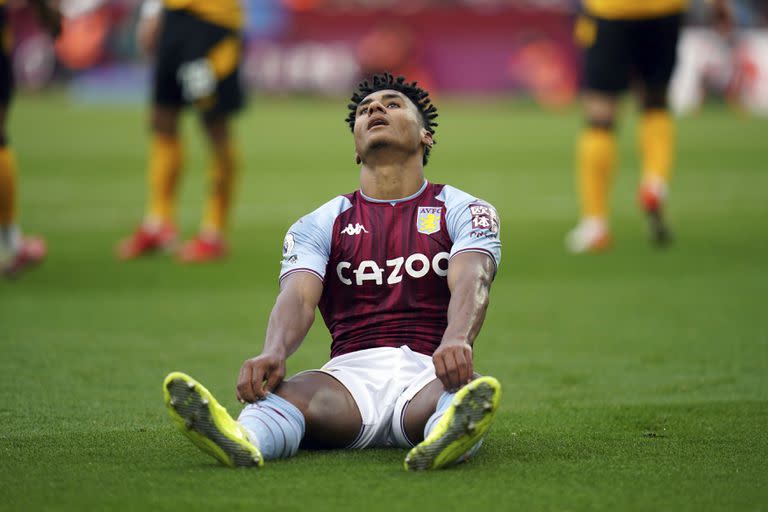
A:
<point x="386" y="94"/>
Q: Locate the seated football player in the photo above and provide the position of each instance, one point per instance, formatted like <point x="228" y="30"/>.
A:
<point x="17" y="251"/>
<point x="401" y="271"/>
<point x="198" y="49"/>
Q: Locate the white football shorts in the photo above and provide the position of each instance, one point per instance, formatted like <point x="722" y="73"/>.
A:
<point x="382" y="381"/>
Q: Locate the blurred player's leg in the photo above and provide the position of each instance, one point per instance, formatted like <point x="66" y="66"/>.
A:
<point x="457" y="428"/>
<point x="198" y="415"/>
<point x="221" y="64"/>
<point x="605" y="76"/>
<point x="210" y="244"/>
<point x="656" y="143"/>
<point x="157" y="231"/>
<point x="596" y="162"/>
<point x="17" y="252"/>
<point x="655" y="53"/>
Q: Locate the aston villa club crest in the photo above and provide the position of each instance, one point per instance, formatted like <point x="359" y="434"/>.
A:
<point x="428" y="221"/>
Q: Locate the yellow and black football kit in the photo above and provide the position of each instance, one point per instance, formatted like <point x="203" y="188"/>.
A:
<point x="205" y="32"/>
<point x="626" y="39"/>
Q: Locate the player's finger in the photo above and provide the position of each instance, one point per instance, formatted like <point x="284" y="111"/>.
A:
<point x="470" y="364"/>
<point x="257" y="382"/>
<point x="273" y="380"/>
<point x="440" y="370"/>
<point x="462" y="366"/>
<point x="244" y="384"/>
<point x="451" y="375"/>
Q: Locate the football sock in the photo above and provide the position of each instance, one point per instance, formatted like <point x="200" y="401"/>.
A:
<point x="656" y="139"/>
<point x="275" y="425"/>
<point x="442" y="405"/>
<point x="596" y="160"/>
<point x="7" y="187"/>
<point x="222" y="176"/>
<point x="165" y="160"/>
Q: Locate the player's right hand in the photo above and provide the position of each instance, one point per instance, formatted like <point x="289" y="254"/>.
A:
<point x="259" y="376"/>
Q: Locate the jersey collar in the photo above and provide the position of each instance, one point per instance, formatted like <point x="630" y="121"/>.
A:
<point x="393" y="202"/>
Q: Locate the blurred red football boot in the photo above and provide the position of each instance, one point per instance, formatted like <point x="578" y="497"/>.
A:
<point x="651" y="197"/>
<point x="203" y="249"/>
<point x="147" y="239"/>
<point x="31" y="252"/>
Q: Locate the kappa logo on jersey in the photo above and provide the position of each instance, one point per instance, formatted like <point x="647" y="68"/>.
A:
<point x="416" y="265"/>
<point x="354" y="230"/>
<point x="485" y="222"/>
<point x="428" y="221"/>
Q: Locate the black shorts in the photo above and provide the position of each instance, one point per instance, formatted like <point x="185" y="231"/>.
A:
<point x="6" y="64"/>
<point x="185" y="38"/>
<point x="619" y="51"/>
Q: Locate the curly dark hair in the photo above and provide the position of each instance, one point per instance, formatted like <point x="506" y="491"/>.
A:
<point x="412" y="91"/>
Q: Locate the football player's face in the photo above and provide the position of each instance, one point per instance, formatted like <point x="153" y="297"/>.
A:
<point x="388" y="119"/>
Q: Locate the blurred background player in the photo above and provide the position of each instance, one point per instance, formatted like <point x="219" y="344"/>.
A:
<point x="626" y="41"/>
<point x="17" y="252"/>
<point x="401" y="271"/>
<point x="198" y="48"/>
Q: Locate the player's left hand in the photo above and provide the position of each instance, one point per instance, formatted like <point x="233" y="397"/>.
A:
<point x="453" y="364"/>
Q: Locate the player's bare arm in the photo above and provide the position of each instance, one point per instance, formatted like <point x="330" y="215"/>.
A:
<point x="723" y="16"/>
<point x="289" y="322"/>
<point x="148" y="28"/>
<point x="469" y="278"/>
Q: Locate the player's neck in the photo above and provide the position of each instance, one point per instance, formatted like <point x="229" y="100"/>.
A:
<point x="390" y="182"/>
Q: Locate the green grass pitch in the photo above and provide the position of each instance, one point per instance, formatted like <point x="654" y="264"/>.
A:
<point x="634" y="380"/>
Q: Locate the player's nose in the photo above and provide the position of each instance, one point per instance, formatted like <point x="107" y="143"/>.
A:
<point x="376" y="106"/>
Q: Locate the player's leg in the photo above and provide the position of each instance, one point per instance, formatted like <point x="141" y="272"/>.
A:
<point x="200" y="417"/>
<point x="157" y="230"/>
<point x="217" y="103"/>
<point x="606" y="75"/>
<point x="210" y="244"/>
<point x="655" y="53"/>
<point x="453" y="425"/>
<point x="17" y="252"/>
<point x="312" y="410"/>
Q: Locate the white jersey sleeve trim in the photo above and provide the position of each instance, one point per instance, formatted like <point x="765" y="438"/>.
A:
<point x="472" y="223"/>
<point x="307" y="245"/>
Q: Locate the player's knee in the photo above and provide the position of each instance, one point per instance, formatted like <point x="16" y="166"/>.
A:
<point x="655" y="98"/>
<point x="165" y="122"/>
<point x="601" y="123"/>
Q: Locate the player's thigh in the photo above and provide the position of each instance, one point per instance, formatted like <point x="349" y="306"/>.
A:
<point x="228" y="99"/>
<point x="332" y="417"/>
<point x="420" y="408"/>
<point x="654" y="51"/>
<point x="606" y="54"/>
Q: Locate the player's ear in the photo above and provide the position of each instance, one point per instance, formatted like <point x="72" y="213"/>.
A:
<point x="426" y="138"/>
<point x="358" y="160"/>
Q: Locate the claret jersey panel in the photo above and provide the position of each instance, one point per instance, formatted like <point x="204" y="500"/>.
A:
<point x="384" y="263"/>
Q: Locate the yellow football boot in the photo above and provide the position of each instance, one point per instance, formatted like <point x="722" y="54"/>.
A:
<point x="206" y="423"/>
<point x="462" y="426"/>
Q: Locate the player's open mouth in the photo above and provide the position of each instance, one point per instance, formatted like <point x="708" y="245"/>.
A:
<point x="377" y="121"/>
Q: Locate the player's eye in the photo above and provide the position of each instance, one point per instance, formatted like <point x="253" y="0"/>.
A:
<point x="393" y="104"/>
<point x="363" y="110"/>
